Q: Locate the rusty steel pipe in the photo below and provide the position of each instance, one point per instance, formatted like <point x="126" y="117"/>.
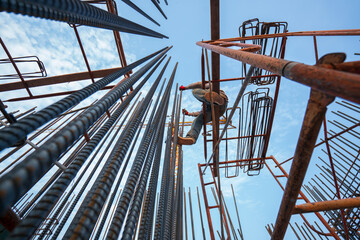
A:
<point x="336" y="83"/>
<point x="327" y="205"/>
<point x="314" y="116"/>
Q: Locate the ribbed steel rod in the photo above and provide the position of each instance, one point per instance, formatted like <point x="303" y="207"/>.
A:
<point x="51" y="197"/>
<point x="24" y="175"/>
<point x="175" y="207"/>
<point x="159" y="8"/>
<point x="84" y="184"/>
<point x="161" y="202"/>
<point x="76" y="12"/>
<point x="170" y="191"/>
<point x="19" y="130"/>
<point x="128" y="191"/>
<point x="140" y="188"/>
<point x="160" y="216"/>
<point x="136" y="8"/>
<point x="85" y="218"/>
<point x="148" y="213"/>
<point x="111" y="200"/>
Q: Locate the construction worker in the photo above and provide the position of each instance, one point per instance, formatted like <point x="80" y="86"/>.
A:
<point x="203" y="96"/>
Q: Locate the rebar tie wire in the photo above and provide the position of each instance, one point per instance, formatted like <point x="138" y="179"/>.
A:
<point x="76" y="12"/>
<point x="132" y="180"/>
<point x="43" y="207"/>
<point x="23" y="176"/>
<point x="85" y="219"/>
<point x="18" y="131"/>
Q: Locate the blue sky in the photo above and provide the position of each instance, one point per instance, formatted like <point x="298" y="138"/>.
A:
<point x="258" y="197"/>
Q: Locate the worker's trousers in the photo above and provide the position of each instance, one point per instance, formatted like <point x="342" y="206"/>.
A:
<point x="198" y="122"/>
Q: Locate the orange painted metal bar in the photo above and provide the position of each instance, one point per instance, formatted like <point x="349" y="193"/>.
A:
<point x="327" y="205"/>
<point x="211" y="230"/>
<point x="72" y="77"/>
<point x="332" y="82"/>
<point x="83" y="52"/>
<point x="49" y="95"/>
<point x="345" y="32"/>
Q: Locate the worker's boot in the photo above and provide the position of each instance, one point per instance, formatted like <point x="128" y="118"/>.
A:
<point x="217" y="99"/>
<point x="186" y="140"/>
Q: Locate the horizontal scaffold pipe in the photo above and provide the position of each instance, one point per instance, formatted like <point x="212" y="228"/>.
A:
<point x="23" y="176"/>
<point x="333" y="82"/>
<point x="327" y="205"/>
<point x="75" y="12"/>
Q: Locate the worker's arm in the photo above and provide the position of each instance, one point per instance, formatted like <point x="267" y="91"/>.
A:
<point x="194" y="85"/>
<point x="193" y="114"/>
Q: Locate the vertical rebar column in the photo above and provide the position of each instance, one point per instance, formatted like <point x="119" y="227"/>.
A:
<point x="132" y="180"/>
<point x="158" y="125"/>
<point x="85" y="219"/>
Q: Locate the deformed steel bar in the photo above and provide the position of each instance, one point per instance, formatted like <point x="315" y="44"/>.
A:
<point x="51" y="197"/>
<point x="47" y="202"/>
<point x="52" y="123"/>
<point x="85" y="218"/>
<point x="172" y="190"/>
<point x="330" y="138"/>
<point x="112" y="197"/>
<point x="186" y="237"/>
<point x="136" y="8"/>
<point x="191" y="215"/>
<point x="327" y="205"/>
<point x="237" y="214"/>
<point x="15" y="183"/>
<point x="170" y="198"/>
<point x="158" y="124"/>
<point x="146" y="144"/>
<point x="336" y="83"/>
<point x="19" y="130"/>
<point x="76" y="12"/>
<point x="84" y="185"/>
<point x="165" y="180"/>
<point x="148" y="213"/>
<point x="159" y="8"/>
<point x="177" y="216"/>
<point x="201" y="218"/>
<point x="160" y="214"/>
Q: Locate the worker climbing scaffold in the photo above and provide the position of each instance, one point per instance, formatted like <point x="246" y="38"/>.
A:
<point x="203" y="95"/>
